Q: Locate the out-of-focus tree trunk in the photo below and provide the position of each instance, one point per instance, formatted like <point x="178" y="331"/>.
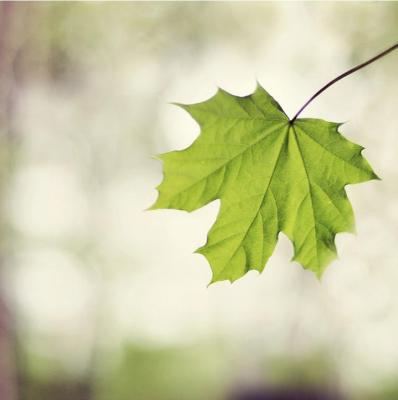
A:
<point x="7" y="54"/>
<point x="9" y="375"/>
<point x="7" y="368"/>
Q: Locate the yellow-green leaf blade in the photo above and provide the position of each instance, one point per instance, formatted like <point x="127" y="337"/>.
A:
<point x="270" y="175"/>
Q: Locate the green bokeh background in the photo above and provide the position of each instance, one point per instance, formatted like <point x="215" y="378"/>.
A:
<point x="102" y="300"/>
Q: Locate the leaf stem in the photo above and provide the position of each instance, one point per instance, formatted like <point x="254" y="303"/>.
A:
<point x="349" y="72"/>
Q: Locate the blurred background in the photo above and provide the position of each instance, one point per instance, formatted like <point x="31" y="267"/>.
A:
<point x="101" y="300"/>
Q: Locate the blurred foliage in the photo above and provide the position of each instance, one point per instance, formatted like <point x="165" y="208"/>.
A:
<point x="309" y="370"/>
<point x="184" y="372"/>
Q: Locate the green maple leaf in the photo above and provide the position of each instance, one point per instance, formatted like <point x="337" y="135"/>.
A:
<point x="271" y="176"/>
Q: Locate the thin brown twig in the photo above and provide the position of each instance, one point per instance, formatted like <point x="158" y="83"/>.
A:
<point x="349" y="72"/>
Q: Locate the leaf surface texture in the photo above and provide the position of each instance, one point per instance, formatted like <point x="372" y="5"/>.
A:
<point x="270" y="175"/>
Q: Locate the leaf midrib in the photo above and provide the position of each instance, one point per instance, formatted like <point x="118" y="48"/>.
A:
<point x="310" y="194"/>
<point x="260" y="204"/>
